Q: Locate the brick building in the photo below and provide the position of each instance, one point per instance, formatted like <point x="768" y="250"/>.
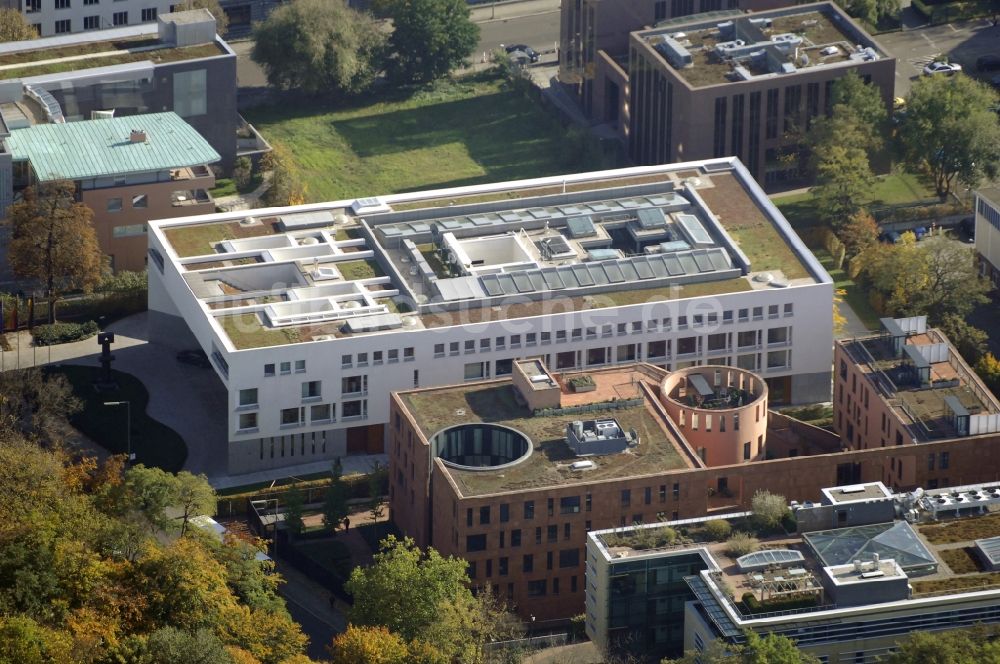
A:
<point x="516" y="500"/>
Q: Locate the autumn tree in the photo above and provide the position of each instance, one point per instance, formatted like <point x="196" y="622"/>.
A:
<point x="151" y="492"/>
<point x="285" y="186"/>
<point x="221" y="18"/>
<point x="859" y="233"/>
<point x="978" y="644"/>
<point x="14" y="28"/>
<point x="319" y="47"/>
<point x="768" y="649"/>
<point x="952" y="131"/>
<point x="429" y="38"/>
<point x="988" y="368"/>
<point x="53" y="240"/>
<point x="35" y="405"/>
<point x="968" y="340"/>
<point x="193" y="496"/>
<point x="368" y="645"/>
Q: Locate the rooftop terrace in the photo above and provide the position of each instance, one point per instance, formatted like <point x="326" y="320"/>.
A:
<point x="773" y="43"/>
<point x="549" y="465"/>
<point x="581" y="242"/>
<point x="926" y="382"/>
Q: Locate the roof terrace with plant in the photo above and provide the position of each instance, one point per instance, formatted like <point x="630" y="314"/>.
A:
<point x="489" y="252"/>
<point x="766" y="44"/>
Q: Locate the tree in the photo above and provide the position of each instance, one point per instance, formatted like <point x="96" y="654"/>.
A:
<point x="963" y="646"/>
<point x="769" y="509"/>
<point x="53" y="240"/>
<point x="14" y="28"/>
<point x="969" y="341"/>
<point x="843" y="183"/>
<point x="871" y="11"/>
<point x="24" y="641"/>
<point x="149" y="492"/>
<point x="242" y="172"/>
<point x="193" y="496"/>
<point x="404" y="588"/>
<point x="321" y="47"/>
<point x="768" y="649"/>
<point x="35" y="405"/>
<point x="467" y="624"/>
<point x="221" y="18"/>
<point x="335" y="508"/>
<point x="859" y="233"/>
<point x="988" y="368"/>
<point x="368" y="645"/>
<point x="952" y="131"/>
<point x="376" y="501"/>
<point x="285" y="187"/>
<point x="429" y="39"/>
<point x="857" y="119"/>
<point x="294" y="504"/>
<point x="173" y="646"/>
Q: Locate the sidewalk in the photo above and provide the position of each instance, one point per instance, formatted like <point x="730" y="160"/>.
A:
<point x="361" y="463"/>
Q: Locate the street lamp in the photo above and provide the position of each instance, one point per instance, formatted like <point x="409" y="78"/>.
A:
<point x="128" y="422"/>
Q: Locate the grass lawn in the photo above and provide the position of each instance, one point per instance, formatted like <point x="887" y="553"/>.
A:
<point x="227" y="187"/>
<point x="455" y="133"/>
<point x="854" y="295"/>
<point x="246" y="331"/>
<point x="894" y="189"/>
<point x="366" y="269"/>
<point x="153" y="443"/>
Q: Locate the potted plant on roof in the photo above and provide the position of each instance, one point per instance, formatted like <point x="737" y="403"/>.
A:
<point x="582" y="383"/>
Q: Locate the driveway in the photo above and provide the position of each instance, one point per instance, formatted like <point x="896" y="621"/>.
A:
<point x="960" y="42"/>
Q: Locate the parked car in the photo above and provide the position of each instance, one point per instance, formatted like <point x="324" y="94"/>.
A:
<point x="920" y="232"/>
<point x="988" y="63"/>
<point x="946" y="68"/>
<point x="522" y="52"/>
<point x="891" y="237"/>
<point x="195" y="358"/>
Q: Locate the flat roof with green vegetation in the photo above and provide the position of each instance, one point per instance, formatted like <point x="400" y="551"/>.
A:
<point x="474" y="130"/>
<point x="435" y="409"/>
<point x="22" y="64"/>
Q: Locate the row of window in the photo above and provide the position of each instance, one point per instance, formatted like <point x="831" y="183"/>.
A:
<point x="35" y="6"/>
<point x="311" y="389"/>
<point x="392" y="355"/>
<point x="65" y="26"/>
<point x="322" y="413"/>
<point x="567" y="505"/>
<point x="567" y="559"/>
<point x="534" y="588"/>
<point x="989" y="213"/>
<point x="139" y="201"/>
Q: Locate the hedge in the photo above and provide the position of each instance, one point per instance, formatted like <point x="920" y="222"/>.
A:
<point x="61" y="333"/>
<point x="754" y="605"/>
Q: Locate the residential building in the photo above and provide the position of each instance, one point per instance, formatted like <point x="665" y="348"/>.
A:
<point x="908" y="386"/>
<point x="60" y="17"/>
<point x="987" y="233"/>
<point x="847" y="586"/>
<point x="747" y="85"/>
<point x="314" y="314"/>
<point x="126" y="170"/>
<point x="177" y="64"/>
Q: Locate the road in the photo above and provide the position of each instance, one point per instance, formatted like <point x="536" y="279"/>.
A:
<point x="960" y="42"/>
<point x="534" y="22"/>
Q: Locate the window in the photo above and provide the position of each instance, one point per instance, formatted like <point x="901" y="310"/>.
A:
<point x="529" y="509"/>
<point x="190" y="88"/>
<point x="121" y="18"/>
<point x="32" y="6"/>
<point x="504" y="512"/>
<point x="470" y="346"/>
<point x="647" y="495"/>
<point x="290" y="416"/>
<point x="515" y="537"/>
<point x="377" y="357"/>
<point x="320" y="413"/>
<point x="548" y="560"/>
<point x="771" y="121"/>
<point x="626" y="497"/>
<point x="355" y="408"/>
<point x="408" y="355"/>
<point x="248" y="397"/>
<point x="268" y="369"/>
<point x="312" y="389"/>
<point x="569" y="558"/>
<point x="528" y="563"/>
<point x="504" y="367"/>
<point x="346" y="360"/>
<point x="148" y="14"/>
<point x="589" y="502"/>
<point x="300" y="365"/>
<point x="748" y="362"/>
<point x="569" y="505"/>
<point x="656" y="349"/>
<point x="552" y="506"/>
<point x="475" y="543"/>
<point x="140" y="201"/>
<point x="354" y="384"/>
<point x="719" y="145"/>
<point x="687" y="345"/>
<point x="746" y="451"/>
<point x="945" y="460"/>
<point x="777" y="335"/>
<point x="718" y="341"/>
<point x="758" y="313"/>
<point x="659" y="11"/>
<point x="552" y="533"/>
<point x="503" y="567"/>
<point x="468" y="517"/>
<point x="475" y="371"/>
<point x="62" y="4"/>
<point x="438" y="350"/>
<point x="536" y="588"/>
<point x="114" y="204"/>
<point x="777" y="359"/>
<point x="567" y="530"/>
<point x="91" y="22"/>
<point x="930" y="461"/>
<point x="248" y="421"/>
<point x="788" y="309"/>
<point x="88" y="3"/>
<point x="130" y="230"/>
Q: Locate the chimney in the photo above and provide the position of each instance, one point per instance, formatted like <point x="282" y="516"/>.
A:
<point x="137" y="136"/>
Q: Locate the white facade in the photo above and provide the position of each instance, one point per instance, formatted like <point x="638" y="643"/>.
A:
<point x="371" y="365"/>
<point x="55" y="17"/>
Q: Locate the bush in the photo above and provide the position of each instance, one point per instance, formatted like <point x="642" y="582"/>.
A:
<point x="61" y="333"/>
<point x="754" y="605"/>
<point x="740" y="544"/>
<point x="769" y="509"/>
<point x="718" y="529"/>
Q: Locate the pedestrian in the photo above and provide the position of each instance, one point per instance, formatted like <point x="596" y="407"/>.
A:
<point x="347" y="524"/>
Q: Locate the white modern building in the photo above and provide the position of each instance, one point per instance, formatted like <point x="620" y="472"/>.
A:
<point x="851" y="583"/>
<point x="314" y="314"/>
<point x="59" y="17"/>
<point x="987" y="233"/>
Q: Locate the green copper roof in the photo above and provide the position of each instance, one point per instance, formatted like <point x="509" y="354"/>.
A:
<point x="101" y="148"/>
